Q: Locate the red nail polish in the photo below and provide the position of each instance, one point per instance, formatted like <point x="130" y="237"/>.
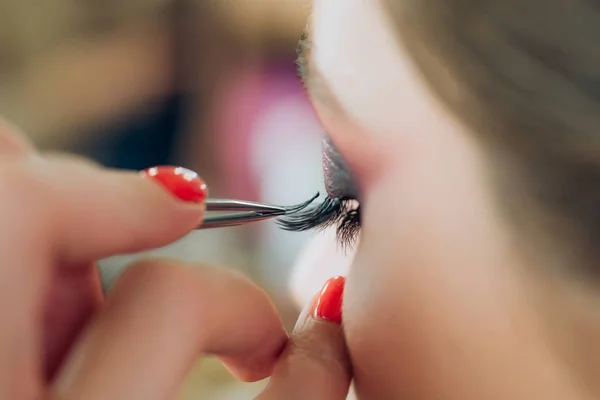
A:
<point x="328" y="305"/>
<point x="184" y="184"/>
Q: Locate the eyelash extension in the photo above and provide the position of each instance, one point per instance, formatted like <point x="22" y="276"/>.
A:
<point x="343" y="213"/>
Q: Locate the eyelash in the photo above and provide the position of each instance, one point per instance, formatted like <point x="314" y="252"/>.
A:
<point x="343" y="213"/>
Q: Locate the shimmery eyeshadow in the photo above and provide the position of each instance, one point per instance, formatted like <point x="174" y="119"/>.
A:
<point x="339" y="181"/>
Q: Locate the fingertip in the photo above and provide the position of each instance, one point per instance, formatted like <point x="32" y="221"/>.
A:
<point x="328" y="303"/>
<point x="182" y="183"/>
<point x="127" y="212"/>
<point x="157" y="216"/>
<point x="182" y="192"/>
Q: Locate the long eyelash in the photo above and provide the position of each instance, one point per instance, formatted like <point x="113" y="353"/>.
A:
<point x="344" y="213"/>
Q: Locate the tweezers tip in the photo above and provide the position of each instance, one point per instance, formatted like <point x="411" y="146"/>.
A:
<point x="301" y="206"/>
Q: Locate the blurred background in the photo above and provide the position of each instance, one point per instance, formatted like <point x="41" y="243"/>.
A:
<point x="207" y="84"/>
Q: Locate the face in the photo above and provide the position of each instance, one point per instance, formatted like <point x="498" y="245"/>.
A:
<point x="438" y="302"/>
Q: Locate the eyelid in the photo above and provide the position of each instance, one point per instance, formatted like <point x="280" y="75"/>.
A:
<point x="339" y="180"/>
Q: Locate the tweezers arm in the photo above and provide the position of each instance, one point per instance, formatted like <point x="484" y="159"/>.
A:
<point x="239" y="205"/>
<point x="247" y="212"/>
<point x="225" y="220"/>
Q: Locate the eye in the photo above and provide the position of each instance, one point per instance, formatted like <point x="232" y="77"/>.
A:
<point x="340" y="208"/>
<point x="344" y="213"/>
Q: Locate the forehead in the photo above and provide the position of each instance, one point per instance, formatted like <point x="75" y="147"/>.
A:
<point x="358" y="54"/>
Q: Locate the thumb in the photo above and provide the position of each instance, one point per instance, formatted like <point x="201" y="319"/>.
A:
<point x="315" y="365"/>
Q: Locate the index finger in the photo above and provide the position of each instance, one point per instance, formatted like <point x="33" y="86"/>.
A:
<point x="76" y="212"/>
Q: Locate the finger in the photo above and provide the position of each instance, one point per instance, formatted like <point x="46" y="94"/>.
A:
<point x="85" y="212"/>
<point x="158" y="320"/>
<point x="69" y="211"/>
<point x="12" y="141"/>
<point x="315" y="364"/>
<point x="75" y="295"/>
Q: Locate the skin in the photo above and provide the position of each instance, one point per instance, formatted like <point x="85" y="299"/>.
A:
<point x="441" y="302"/>
<point x="61" y="338"/>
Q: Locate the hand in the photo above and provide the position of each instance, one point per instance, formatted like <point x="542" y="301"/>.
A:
<point x="60" y="339"/>
<point x="58" y="215"/>
<point x="315" y="364"/>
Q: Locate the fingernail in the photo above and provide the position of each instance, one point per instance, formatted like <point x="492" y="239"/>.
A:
<point x="183" y="183"/>
<point x="328" y="305"/>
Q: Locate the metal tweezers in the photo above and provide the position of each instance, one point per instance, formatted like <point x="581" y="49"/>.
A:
<point x="240" y="212"/>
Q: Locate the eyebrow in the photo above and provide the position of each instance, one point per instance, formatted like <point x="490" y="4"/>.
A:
<point x="315" y="84"/>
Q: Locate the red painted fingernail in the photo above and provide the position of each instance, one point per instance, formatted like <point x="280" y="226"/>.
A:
<point x="184" y="184"/>
<point x="328" y="305"/>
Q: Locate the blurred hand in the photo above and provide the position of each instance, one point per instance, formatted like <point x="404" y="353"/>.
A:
<point x="60" y="339"/>
<point x="58" y="215"/>
<point x="315" y="364"/>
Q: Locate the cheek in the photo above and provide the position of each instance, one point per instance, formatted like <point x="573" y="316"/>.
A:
<point x="429" y="310"/>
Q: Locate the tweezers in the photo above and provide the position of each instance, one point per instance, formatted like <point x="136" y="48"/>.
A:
<point x="241" y="212"/>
